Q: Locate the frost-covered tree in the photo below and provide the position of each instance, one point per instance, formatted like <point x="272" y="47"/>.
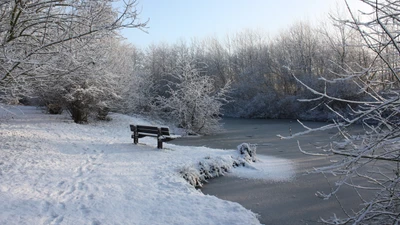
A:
<point x="61" y="51"/>
<point x="135" y="83"/>
<point x="192" y="102"/>
<point x="90" y="88"/>
<point x="36" y="36"/>
<point x="371" y="161"/>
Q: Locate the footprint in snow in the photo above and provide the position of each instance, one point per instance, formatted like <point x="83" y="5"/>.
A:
<point x="61" y="205"/>
<point x="71" y="190"/>
<point x="58" y="220"/>
<point x="54" y="218"/>
<point x="45" y="206"/>
<point x="78" y="172"/>
<point x="61" y="183"/>
<point x="82" y="186"/>
<point x="95" y="222"/>
<point x="90" y="197"/>
<point x="85" y="210"/>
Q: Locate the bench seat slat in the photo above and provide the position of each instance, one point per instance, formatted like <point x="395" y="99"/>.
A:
<point x="146" y="127"/>
<point x="153" y="130"/>
<point x="146" y="130"/>
<point x="143" y="134"/>
<point x="149" y="127"/>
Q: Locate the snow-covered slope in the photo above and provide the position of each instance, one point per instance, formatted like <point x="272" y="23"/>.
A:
<point x="53" y="171"/>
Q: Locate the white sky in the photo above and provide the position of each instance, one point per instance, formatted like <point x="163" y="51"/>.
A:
<point x="173" y="20"/>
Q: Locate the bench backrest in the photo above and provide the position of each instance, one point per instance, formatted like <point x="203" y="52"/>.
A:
<point x="150" y="129"/>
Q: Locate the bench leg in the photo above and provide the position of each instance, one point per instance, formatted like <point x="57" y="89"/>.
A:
<point x="135" y="136"/>
<point x="159" y="140"/>
<point x="159" y="144"/>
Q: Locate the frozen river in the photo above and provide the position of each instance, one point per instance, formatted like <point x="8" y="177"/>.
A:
<point x="285" y="202"/>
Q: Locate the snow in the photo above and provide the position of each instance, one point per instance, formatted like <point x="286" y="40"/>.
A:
<point x="267" y="168"/>
<point x="53" y="171"/>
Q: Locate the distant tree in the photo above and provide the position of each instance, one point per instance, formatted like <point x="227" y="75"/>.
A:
<point x="216" y="57"/>
<point x="249" y="64"/>
<point x="371" y="161"/>
<point x="159" y="60"/>
<point x="134" y="81"/>
<point x="295" y="51"/>
<point x="192" y="102"/>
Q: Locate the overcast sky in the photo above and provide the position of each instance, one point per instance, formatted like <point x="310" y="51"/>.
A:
<point x="171" y="20"/>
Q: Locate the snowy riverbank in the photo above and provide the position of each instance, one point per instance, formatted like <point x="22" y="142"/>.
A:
<point x="53" y="171"/>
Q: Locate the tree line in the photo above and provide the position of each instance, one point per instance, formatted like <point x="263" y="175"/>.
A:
<point x="260" y="71"/>
<point x="70" y="55"/>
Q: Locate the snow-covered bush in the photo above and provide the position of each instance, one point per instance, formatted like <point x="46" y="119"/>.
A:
<point x="192" y="103"/>
<point x="192" y="176"/>
<point x="248" y="152"/>
<point x="82" y="97"/>
<point x="54" y="108"/>
<point x="210" y="167"/>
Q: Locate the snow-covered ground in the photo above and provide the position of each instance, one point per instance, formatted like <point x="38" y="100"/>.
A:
<point x="53" y="171"/>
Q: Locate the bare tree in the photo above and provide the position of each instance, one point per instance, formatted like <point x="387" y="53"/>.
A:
<point x="371" y="161"/>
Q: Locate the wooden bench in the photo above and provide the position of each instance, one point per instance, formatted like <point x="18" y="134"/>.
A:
<point x="161" y="133"/>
